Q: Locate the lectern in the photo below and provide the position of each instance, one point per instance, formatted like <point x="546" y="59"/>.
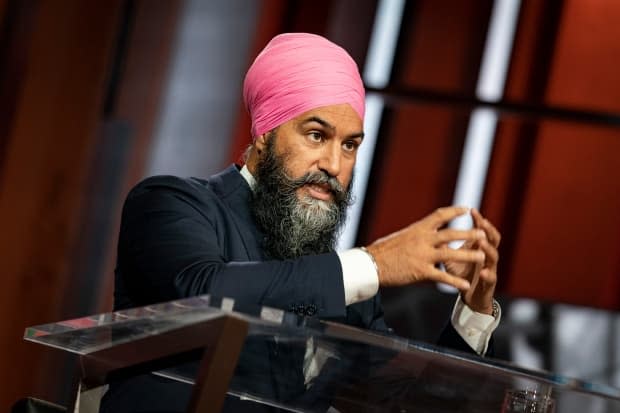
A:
<point x="272" y="357"/>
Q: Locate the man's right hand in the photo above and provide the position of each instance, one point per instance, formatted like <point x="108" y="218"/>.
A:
<point x="412" y="254"/>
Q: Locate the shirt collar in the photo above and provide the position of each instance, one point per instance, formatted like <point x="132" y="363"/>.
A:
<point x="247" y="175"/>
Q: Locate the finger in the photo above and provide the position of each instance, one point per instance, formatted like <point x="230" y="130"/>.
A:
<point x="468" y="245"/>
<point x="447" y="235"/>
<point x="444" y="277"/>
<point x="448" y="254"/>
<point x="442" y="216"/>
<point x="493" y="234"/>
<point x="477" y="218"/>
<point x="480" y="222"/>
<point x="490" y="252"/>
<point x="488" y="278"/>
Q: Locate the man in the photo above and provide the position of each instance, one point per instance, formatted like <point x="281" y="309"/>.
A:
<point x="265" y="233"/>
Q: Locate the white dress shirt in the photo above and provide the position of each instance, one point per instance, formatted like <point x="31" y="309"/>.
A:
<point x="361" y="282"/>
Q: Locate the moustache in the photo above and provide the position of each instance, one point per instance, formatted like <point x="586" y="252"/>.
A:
<point x="321" y="178"/>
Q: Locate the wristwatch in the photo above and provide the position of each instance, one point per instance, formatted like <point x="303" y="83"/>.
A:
<point x="496" y="309"/>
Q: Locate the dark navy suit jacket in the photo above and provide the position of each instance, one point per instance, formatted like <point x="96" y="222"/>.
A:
<point x="186" y="237"/>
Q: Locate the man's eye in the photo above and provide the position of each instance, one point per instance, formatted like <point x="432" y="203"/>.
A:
<point x="315" y="136"/>
<point x="350" y="146"/>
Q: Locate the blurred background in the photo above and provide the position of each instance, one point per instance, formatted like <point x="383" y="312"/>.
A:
<point x="510" y="106"/>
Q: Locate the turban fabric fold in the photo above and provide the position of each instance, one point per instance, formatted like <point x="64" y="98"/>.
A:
<point x="298" y="72"/>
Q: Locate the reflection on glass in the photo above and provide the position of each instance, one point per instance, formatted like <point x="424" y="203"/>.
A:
<point x="308" y="365"/>
<point x="527" y="401"/>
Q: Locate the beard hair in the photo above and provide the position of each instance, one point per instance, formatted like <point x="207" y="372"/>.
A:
<point x="296" y="225"/>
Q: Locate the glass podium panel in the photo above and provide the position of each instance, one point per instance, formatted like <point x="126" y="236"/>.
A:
<point x="307" y="365"/>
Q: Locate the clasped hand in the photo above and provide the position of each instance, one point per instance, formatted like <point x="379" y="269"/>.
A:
<point x="413" y="254"/>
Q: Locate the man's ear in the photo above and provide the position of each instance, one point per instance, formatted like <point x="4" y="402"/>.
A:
<point x="261" y="142"/>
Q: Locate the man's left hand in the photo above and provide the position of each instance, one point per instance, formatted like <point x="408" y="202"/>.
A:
<point x="482" y="277"/>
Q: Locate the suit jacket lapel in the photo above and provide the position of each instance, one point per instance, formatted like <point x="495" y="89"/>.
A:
<point x="235" y="192"/>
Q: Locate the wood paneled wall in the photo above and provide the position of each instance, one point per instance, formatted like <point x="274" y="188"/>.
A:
<point x="68" y="69"/>
<point x="48" y="148"/>
<point x="554" y="182"/>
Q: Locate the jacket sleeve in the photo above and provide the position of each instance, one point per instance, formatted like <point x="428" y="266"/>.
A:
<point x="170" y="248"/>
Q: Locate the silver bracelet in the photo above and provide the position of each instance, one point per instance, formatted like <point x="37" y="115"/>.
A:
<point x="372" y="258"/>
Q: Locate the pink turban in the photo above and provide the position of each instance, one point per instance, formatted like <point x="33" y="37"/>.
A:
<point x="298" y="72"/>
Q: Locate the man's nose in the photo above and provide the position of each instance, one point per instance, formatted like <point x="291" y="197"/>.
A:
<point x="330" y="160"/>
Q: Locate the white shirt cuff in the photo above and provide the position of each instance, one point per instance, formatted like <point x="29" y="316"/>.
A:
<point x="359" y="275"/>
<point x="475" y="328"/>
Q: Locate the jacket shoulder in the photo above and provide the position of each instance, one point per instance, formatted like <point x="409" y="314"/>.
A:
<point x="169" y="183"/>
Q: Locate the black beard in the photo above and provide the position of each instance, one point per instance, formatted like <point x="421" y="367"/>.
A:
<point x="294" y="227"/>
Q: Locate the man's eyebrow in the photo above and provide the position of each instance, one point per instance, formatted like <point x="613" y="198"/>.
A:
<point x="329" y="126"/>
<point x="320" y="121"/>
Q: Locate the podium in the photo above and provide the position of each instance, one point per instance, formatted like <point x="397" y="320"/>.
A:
<point x="275" y="358"/>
